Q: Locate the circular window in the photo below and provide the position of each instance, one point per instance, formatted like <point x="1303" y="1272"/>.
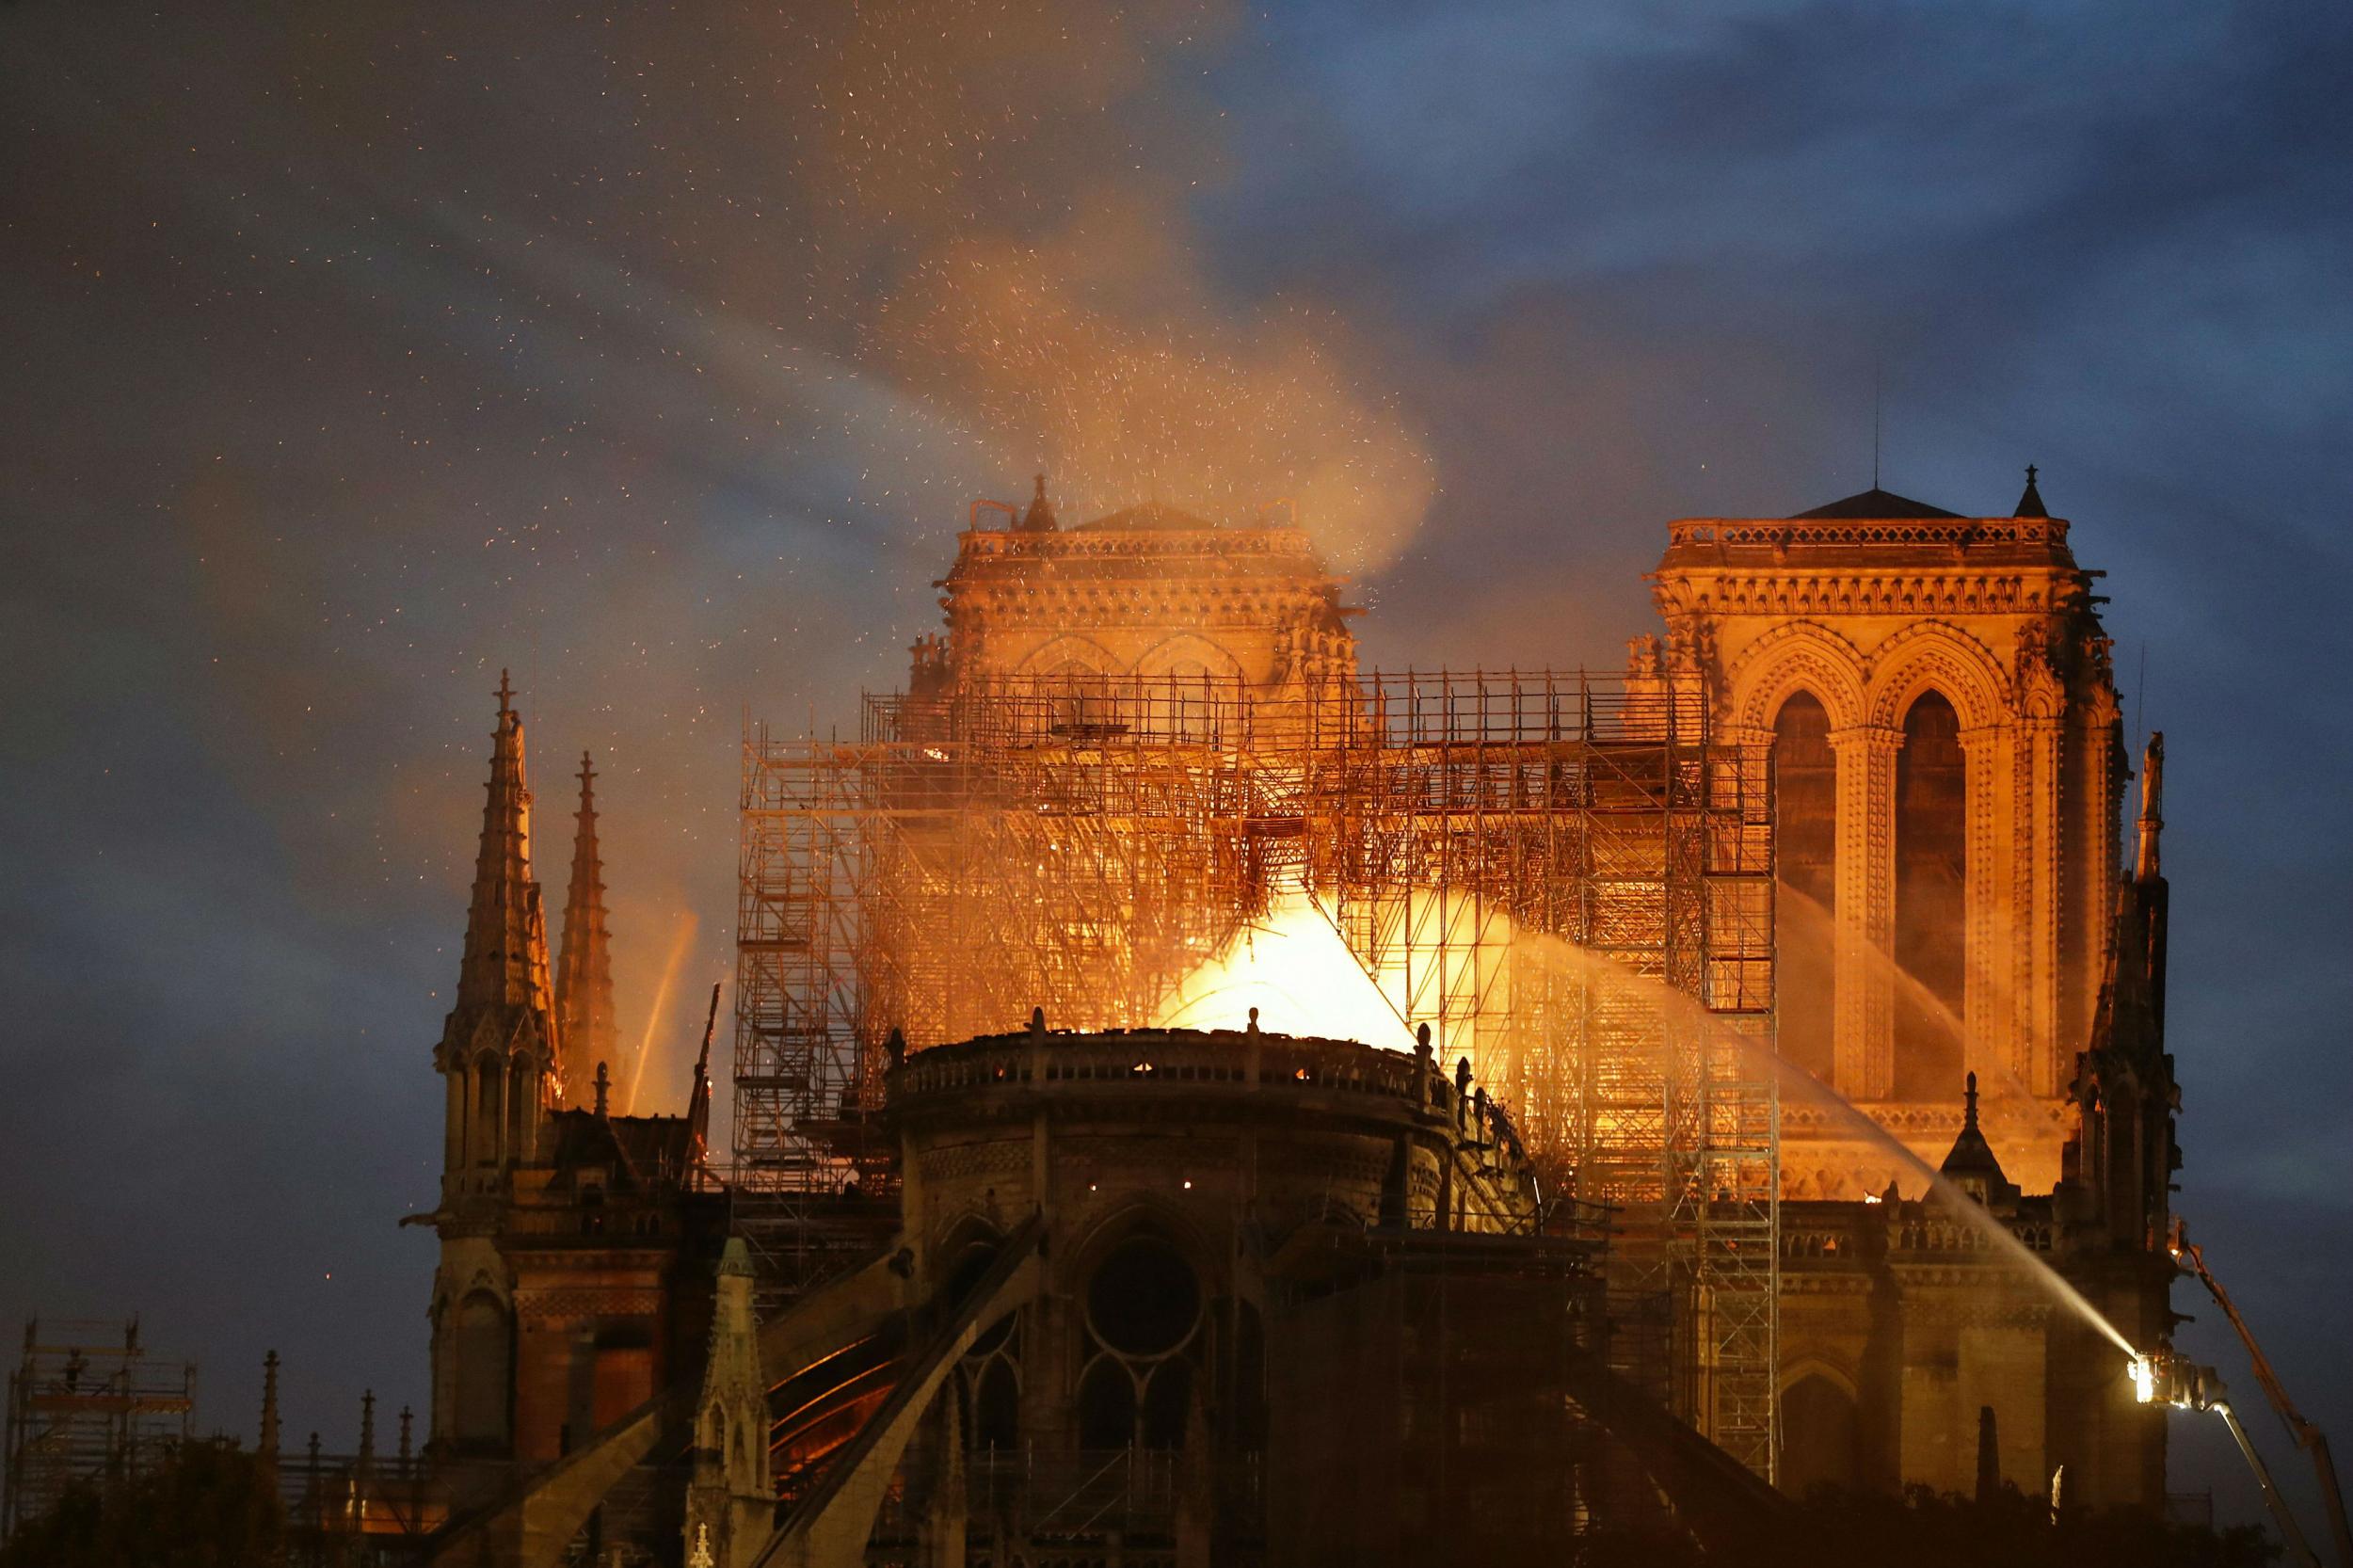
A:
<point x="1144" y="1300"/>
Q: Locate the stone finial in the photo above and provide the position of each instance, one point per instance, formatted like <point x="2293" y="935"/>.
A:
<point x="1969" y="1104"/>
<point x="605" y="1088"/>
<point x="1254" y="1020"/>
<point x="2030" y="503"/>
<point x="2152" y="824"/>
<point x="1037" y="1020"/>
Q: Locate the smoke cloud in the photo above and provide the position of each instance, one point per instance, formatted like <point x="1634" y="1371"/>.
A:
<point x="1008" y="226"/>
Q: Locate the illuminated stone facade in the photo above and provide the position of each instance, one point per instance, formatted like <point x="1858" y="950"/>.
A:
<point x="1147" y="592"/>
<point x="1352" y="1238"/>
<point x="1948" y="778"/>
<point x="1949" y="680"/>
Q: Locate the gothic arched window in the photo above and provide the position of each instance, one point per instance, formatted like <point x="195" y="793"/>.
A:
<point x="997" y="1410"/>
<point x="1931" y="883"/>
<point x="1143" y="1316"/>
<point x="1805" y="802"/>
<point x="1819" y="1436"/>
<point x="489" y="1077"/>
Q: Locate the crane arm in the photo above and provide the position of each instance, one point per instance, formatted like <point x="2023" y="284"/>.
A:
<point x="2297" y="1549"/>
<point x="2308" y="1436"/>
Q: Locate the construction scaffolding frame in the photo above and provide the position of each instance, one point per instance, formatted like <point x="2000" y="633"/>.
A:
<point x="87" y="1406"/>
<point x="1564" y="875"/>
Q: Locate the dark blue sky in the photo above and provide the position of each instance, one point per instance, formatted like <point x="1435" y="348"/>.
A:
<point x="351" y="353"/>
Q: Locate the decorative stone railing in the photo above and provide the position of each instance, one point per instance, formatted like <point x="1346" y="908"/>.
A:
<point x="1169" y="1059"/>
<point x="1960" y="533"/>
<point x="1129" y="544"/>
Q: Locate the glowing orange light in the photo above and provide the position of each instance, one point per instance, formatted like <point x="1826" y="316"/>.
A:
<point x="1294" y="968"/>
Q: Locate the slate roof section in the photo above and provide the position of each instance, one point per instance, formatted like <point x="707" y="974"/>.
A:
<point x="1876" y="502"/>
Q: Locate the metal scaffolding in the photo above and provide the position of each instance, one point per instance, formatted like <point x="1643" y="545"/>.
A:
<point x="87" y="1407"/>
<point x="1564" y="875"/>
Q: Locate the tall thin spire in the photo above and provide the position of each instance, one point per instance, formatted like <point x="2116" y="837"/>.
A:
<point x="698" y="1097"/>
<point x="506" y="956"/>
<point x="265" y="1447"/>
<point x="584" y="970"/>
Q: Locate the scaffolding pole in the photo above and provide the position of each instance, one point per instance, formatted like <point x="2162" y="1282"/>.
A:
<point x="87" y="1406"/>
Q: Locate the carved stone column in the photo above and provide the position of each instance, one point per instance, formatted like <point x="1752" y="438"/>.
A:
<point x="2092" y="858"/>
<point x="1864" y="976"/>
<point x="1989" y="1039"/>
<point x="2035" y="845"/>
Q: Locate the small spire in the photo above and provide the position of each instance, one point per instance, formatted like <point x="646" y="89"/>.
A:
<point x="2031" y="504"/>
<point x="698" y="1096"/>
<point x="367" y="1430"/>
<point x="1039" y="518"/>
<point x="584" y="970"/>
<point x="1969" y="1105"/>
<point x="267" y="1446"/>
<point x="407" y="1453"/>
<point x="2152" y="824"/>
<point x="604" y="1085"/>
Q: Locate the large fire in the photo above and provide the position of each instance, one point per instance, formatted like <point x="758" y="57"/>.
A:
<point x="1295" y="970"/>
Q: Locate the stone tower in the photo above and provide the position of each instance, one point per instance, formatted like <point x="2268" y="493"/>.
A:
<point x="1147" y="592"/>
<point x="500" y="1059"/>
<point x="1948" y="767"/>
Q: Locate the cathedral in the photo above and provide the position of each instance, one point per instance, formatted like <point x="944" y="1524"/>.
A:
<point x="1134" y="1295"/>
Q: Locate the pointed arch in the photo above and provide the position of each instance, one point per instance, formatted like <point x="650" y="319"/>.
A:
<point x="1146" y="1214"/>
<point x="1068" y="654"/>
<point x="1800" y="656"/>
<point x="1814" y="1364"/>
<point x="1935" y="656"/>
<point x="1174" y="654"/>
